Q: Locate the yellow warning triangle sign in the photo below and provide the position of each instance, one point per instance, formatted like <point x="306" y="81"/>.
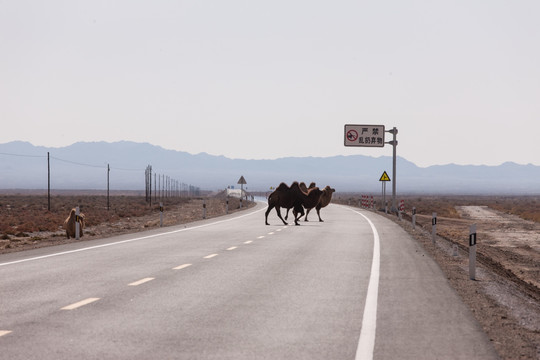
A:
<point x="384" y="177"/>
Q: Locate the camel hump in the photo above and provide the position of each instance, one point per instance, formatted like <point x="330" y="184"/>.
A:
<point x="296" y="187"/>
<point x="282" y="187"/>
<point x="312" y="185"/>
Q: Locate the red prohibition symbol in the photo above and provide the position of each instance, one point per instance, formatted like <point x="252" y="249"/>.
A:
<point x="352" y="135"/>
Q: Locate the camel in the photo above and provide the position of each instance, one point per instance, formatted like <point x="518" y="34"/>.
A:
<point x="291" y="197"/>
<point x="299" y="209"/>
<point x="69" y="224"/>
<point x="324" y="200"/>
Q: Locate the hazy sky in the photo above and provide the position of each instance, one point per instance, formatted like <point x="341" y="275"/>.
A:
<point x="268" y="79"/>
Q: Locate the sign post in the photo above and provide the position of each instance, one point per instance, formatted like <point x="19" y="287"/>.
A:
<point x="384" y="178"/>
<point x="373" y="136"/>
<point x="394" y="143"/>
<point x="242" y="182"/>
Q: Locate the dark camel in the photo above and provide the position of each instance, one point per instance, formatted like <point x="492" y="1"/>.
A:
<point x="324" y="200"/>
<point x="291" y="197"/>
<point x="298" y="208"/>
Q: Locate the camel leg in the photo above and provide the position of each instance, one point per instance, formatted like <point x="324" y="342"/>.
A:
<point x="270" y="207"/>
<point x="307" y="213"/>
<point x="298" y="215"/>
<point x="279" y="215"/>
<point x="319" y="214"/>
<point x="287" y="215"/>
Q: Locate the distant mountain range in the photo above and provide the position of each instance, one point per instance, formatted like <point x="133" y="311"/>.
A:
<point x="83" y="165"/>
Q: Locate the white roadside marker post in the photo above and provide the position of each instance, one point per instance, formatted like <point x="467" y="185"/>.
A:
<point x="204" y="209"/>
<point x="433" y="227"/>
<point x="414" y="218"/>
<point x="472" y="252"/>
<point x="227" y="206"/>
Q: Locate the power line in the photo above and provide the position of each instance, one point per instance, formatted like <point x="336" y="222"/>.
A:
<point x="22" y="155"/>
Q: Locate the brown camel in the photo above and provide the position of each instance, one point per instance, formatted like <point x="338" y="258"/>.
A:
<point x="324" y="200"/>
<point x="298" y="208"/>
<point x="69" y="224"/>
<point x="291" y="197"/>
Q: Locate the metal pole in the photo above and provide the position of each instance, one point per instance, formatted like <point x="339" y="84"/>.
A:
<point x="394" y="144"/>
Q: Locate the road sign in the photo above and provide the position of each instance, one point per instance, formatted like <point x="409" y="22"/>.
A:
<point x="384" y="177"/>
<point x="364" y="135"/>
<point x="242" y="181"/>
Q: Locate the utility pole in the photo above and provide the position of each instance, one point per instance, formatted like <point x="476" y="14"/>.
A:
<point x="49" y="181"/>
<point x="108" y="172"/>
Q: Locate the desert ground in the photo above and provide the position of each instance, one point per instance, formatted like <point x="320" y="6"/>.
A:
<point x="504" y="297"/>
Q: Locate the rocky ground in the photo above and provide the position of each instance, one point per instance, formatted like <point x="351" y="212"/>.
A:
<point x="505" y="295"/>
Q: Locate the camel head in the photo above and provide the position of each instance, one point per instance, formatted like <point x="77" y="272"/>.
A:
<point x="329" y="189"/>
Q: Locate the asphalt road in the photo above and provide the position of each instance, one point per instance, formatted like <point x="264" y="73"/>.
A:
<point x="355" y="286"/>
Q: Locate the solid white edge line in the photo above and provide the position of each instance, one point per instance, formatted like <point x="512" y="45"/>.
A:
<point x="366" y="343"/>
<point x="127" y="241"/>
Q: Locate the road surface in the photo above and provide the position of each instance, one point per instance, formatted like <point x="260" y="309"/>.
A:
<point x="353" y="287"/>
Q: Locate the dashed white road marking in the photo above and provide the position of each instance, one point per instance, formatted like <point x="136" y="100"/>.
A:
<point x="4" y="332"/>
<point x="271" y="233"/>
<point x="279" y="229"/>
<point x="142" y="281"/>
<point x="248" y="242"/>
<point x="79" y="304"/>
<point x="210" y="256"/>
<point x="129" y="240"/>
<point x="232" y="248"/>
<point x="181" y="267"/>
<point x="261" y="237"/>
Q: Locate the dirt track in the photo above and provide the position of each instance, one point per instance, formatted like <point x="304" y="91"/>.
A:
<point x="505" y="298"/>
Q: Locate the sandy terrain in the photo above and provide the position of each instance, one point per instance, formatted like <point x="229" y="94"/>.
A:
<point x="505" y="297"/>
